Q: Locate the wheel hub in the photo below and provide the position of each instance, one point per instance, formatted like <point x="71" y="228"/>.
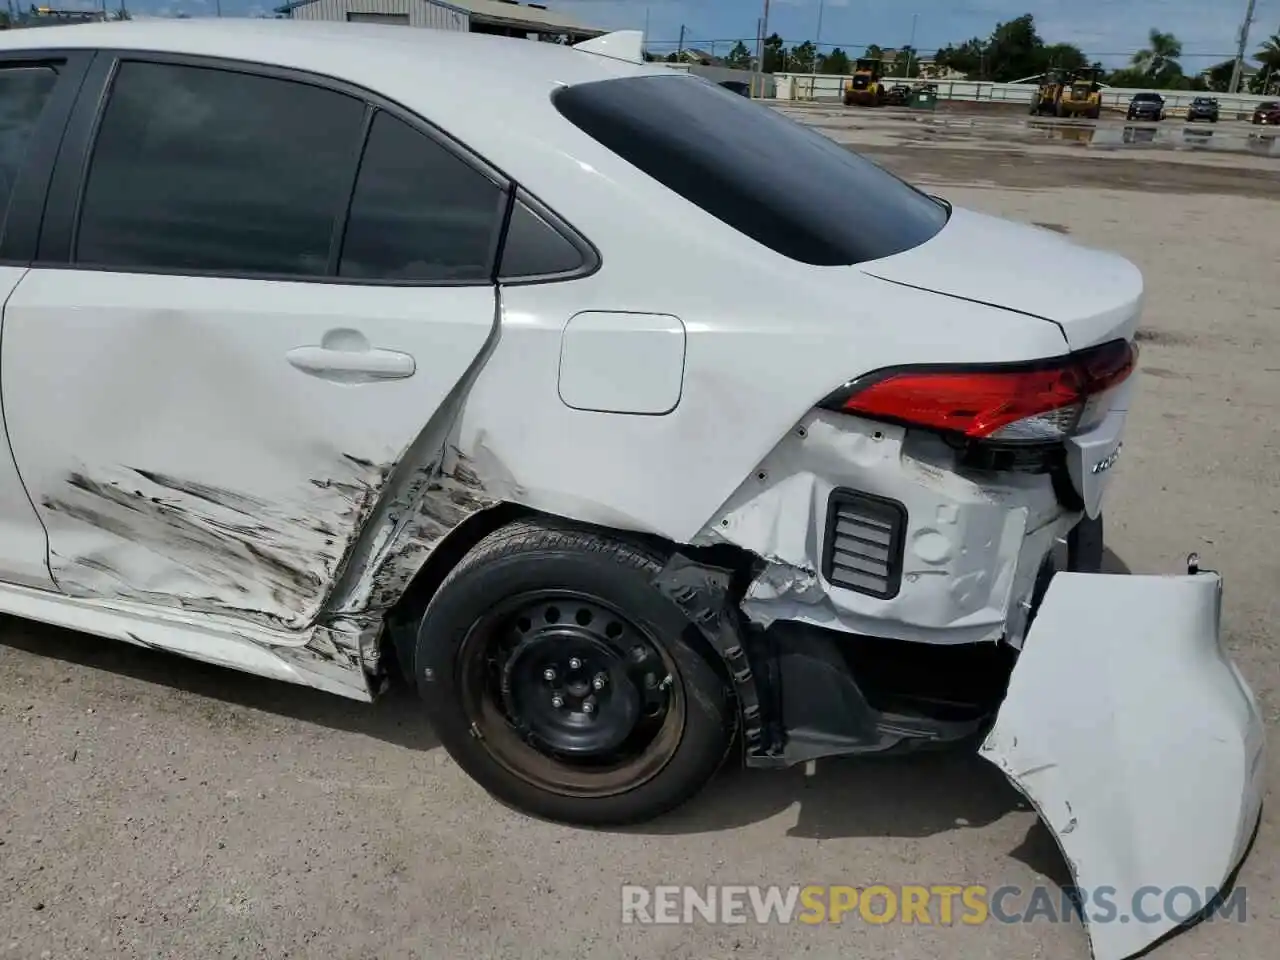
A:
<point x="579" y="683"/>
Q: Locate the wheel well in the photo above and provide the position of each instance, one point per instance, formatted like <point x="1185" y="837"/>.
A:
<point x="402" y="619"/>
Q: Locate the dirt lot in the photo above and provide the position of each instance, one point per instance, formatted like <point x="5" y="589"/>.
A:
<point x="151" y="807"/>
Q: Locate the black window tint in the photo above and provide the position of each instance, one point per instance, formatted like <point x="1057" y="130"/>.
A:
<point x="23" y="93"/>
<point x="781" y="183"/>
<point x="419" y="213"/>
<point x="210" y="170"/>
<point x="534" y="248"/>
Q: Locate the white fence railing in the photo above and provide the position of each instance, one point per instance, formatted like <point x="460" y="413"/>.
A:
<point x="828" y="87"/>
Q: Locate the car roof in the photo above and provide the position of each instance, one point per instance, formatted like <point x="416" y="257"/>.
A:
<point x="334" y="47"/>
<point x="492" y="94"/>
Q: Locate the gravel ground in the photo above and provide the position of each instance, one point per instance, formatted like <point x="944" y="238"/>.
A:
<point x="153" y="807"/>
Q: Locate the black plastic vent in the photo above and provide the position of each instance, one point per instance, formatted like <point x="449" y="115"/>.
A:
<point x="862" y="550"/>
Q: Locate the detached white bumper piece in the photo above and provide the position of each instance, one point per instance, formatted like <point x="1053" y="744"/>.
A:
<point x="1133" y="734"/>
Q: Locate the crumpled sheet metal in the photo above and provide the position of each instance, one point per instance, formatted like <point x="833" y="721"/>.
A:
<point x="973" y="545"/>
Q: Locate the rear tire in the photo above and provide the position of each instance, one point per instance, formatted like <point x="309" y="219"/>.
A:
<point x="535" y="622"/>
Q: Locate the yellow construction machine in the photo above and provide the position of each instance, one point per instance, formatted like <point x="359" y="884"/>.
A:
<point x="1081" y="95"/>
<point x="1045" y="99"/>
<point x="865" y="87"/>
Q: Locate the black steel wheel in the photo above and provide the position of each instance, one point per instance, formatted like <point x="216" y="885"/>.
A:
<point x="565" y="683"/>
<point x="569" y="695"/>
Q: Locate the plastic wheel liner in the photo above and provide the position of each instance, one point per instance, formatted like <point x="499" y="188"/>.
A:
<point x="1133" y="734"/>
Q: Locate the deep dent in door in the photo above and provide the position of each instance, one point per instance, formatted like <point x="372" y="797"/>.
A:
<point x="1133" y="734"/>
<point x="214" y="550"/>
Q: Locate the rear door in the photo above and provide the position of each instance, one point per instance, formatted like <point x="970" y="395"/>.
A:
<point x="253" y="290"/>
<point x="37" y="90"/>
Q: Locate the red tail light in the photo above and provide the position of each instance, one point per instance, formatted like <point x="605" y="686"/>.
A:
<point x="1025" y="402"/>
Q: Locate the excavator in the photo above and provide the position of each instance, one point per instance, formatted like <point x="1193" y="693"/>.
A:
<point x="865" y="87"/>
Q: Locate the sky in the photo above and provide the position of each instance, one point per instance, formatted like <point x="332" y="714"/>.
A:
<point x="1107" y="30"/>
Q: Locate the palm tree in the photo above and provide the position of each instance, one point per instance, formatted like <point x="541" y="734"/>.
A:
<point x="1269" y="53"/>
<point x="1160" y="60"/>
<point x="1269" y="56"/>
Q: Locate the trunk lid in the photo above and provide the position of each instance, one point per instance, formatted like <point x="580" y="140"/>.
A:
<point x="1092" y="295"/>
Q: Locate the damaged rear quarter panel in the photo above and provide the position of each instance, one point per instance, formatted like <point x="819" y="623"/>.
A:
<point x="973" y="542"/>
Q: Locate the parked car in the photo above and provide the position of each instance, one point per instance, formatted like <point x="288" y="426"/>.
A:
<point x="1203" y="108"/>
<point x="1146" y="106"/>
<point x="1267" y="113"/>
<point x="899" y="95"/>
<point x="566" y="389"/>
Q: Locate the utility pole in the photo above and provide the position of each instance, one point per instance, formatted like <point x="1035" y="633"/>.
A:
<point x="1234" y="86"/>
<point x="764" y="35"/>
<point x="817" y="44"/>
<point x="680" y="49"/>
<point x="911" y="47"/>
<point x="760" y="37"/>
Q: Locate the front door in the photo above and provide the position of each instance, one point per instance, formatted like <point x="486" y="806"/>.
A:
<point x="205" y="399"/>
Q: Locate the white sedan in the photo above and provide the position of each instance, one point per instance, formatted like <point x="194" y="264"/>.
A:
<point x="629" y="419"/>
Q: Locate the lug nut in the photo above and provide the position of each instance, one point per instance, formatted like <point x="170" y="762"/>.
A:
<point x="639" y="654"/>
<point x="588" y="705"/>
<point x="557" y="701"/>
<point x="548" y="674"/>
<point x="598" y="681"/>
<point x="574" y="663"/>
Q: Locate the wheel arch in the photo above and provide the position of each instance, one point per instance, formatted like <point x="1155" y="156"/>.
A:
<point x="403" y="616"/>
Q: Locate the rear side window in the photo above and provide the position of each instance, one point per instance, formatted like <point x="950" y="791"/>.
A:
<point x="211" y="170"/>
<point x="419" y="213"/>
<point x="24" y="91"/>
<point x="535" y="249"/>
<point x="780" y="183"/>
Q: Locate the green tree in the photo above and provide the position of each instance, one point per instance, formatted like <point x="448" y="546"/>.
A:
<point x="775" y="55"/>
<point x="1268" y="55"/>
<point x="905" y="63"/>
<point x="1218" y="76"/>
<point x="1015" y="50"/>
<point x="873" y="52"/>
<point x="739" y="58"/>
<point x="801" y="58"/>
<point x="1063" y="56"/>
<point x="835" y="62"/>
<point x="1159" y="61"/>
<point x="969" y="58"/>
<point x="1128" y="77"/>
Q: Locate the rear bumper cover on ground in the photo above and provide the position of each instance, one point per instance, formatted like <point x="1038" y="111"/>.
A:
<point x="1133" y="734"/>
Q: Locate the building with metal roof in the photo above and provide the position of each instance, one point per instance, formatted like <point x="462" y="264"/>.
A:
<point x="503" y="17"/>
